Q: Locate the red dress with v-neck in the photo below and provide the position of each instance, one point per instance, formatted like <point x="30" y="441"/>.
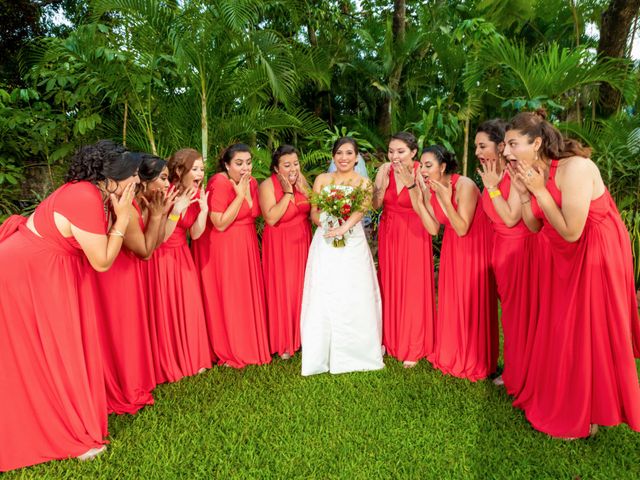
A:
<point x="285" y="247"/>
<point x="582" y="368"/>
<point x="179" y="340"/>
<point x="123" y="321"/>
<point x="405" y="272"/>
<point x="515" y="263"/>
<point x="466" y="334"/>
<point x="231" y="279"/>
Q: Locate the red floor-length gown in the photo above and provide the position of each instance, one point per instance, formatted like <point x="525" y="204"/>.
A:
<point x="405" y="262"/>
<point x="179" y="340"/>
<point x="466" y="333"/>
<point x="285" y="247"/>
<point x="52" y="395"/>
<point x="123" y="322"/>
<point x="231" y="277"/>
<point x="582" y="368"/>
<point x="515" y="265"/>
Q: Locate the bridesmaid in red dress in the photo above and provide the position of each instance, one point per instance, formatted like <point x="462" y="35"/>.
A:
<point x="124" y="333"/>
<point x="466" y="333"/>
<point x="405" y="255"/>
<point x="229" y="263"/>
<point x="53" y="403"/>
<point x="582" y="371"/>
<point x="179" y="339"/>
<point x="284" y="201"/>
<point x="513" y="257"/>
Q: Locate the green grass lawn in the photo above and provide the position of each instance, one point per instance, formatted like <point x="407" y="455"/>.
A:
<point x="269" y="422"/>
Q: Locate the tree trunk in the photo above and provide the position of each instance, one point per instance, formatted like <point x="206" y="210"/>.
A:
<point x="465" y="153"/>
<point x="614" y="32"/>
<point x="311" y="34"/>
<point x="204" y="121"/>
<point x="124" y="123"/>
<point x="399" y="25"/>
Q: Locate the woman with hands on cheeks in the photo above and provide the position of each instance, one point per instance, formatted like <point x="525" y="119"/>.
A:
<point x="124" y="333"/>
<point x="228" y="258"/>
<point x="405" y="255"/>
<point x="284" y="200"/>
<point x="54" y="404"/>
<point x="178" y="328"/>
<point x="582" y="371"/>
<point x="514" y="254"/>
<point x="466" y="333"/>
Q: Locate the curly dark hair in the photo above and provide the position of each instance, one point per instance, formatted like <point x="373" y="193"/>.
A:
<point x="100" y="161"/>
<point x="442" y="156"/>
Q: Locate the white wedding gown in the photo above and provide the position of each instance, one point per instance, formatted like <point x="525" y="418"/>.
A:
<point x="341" y="319"/>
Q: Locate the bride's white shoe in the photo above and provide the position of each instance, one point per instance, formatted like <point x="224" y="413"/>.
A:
<point x="91" y="453"/>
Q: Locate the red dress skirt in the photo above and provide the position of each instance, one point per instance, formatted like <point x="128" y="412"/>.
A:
<point x="405" y="263"/>
<point x="515" y="264"/>
<point x="285" y="247"/>
<point x="582" y="369"/>
<point x="124" y="333"/>
<point x="466" y="334"/>
<point x="52" y="402"/>
<point x="178" y="329"/>
<point x="231" y="278"/>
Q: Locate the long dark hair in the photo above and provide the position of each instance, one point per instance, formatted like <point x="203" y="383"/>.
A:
<point x="101" y="161"/>
<point x="443" y="156"/>
<point x="554" y="145"/>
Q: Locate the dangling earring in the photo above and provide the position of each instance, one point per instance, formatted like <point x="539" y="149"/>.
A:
<point x="536" y="157"/>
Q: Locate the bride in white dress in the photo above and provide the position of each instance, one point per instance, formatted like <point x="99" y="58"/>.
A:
<point x="341" y="319"/>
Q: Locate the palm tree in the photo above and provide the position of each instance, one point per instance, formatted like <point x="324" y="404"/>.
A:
<point x="506" y="70"/>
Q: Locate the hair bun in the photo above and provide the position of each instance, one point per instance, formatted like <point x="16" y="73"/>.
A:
<point x="541" y="112"/>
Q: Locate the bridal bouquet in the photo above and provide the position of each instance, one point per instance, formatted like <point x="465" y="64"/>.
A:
<point x="336" y="204"/>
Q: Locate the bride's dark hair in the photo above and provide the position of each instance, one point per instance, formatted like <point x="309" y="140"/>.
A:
<point x="343" y="141"/>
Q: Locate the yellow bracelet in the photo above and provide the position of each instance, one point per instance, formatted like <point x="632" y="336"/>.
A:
<point x="494" y="193"/>
<point x="174" y="217"/>
<point x="116" y="233"/>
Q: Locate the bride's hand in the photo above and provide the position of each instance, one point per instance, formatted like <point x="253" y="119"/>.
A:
<point x="336" y="232"/>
